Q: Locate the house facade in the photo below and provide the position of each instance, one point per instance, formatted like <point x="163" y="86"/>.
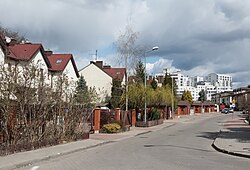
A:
<point x="62" y="65"/>
<point x="28" y="55"/>
<point x="225" y="98"/>
<point x="100" y="77"/>
<point x="97" y="79"/>
<point x="241" y="98"/>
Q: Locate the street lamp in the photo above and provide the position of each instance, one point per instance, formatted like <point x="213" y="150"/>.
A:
<point x="145" y="83"/>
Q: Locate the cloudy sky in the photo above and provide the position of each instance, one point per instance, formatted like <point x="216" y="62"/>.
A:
<point x="196" y="36"/>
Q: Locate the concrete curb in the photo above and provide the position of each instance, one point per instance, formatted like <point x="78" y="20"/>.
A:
<point x="226" y="151"/>
<point x="28" y="163"/>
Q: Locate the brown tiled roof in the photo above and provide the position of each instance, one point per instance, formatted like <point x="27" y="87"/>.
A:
<point x="208" y="103"/>
<point x="196" y="103"/>
<point x="116" y="72"/>
<point x="205" y="103"/>
<point x="59" y="62"/>
<point x="23" y="51"/>
<point x="183" y="103"/>
<point x="26" y="52"/>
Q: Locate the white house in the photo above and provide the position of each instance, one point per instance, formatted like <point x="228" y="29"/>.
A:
<point x="62" y="64"/>
<point x="98" y="79"/>
<point x="28" y="54"/>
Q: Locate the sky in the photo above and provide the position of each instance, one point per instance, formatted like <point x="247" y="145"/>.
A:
<point x="197" y="37"/>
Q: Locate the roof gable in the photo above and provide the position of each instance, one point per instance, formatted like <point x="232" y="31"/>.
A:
<point x="94" y="65"/>
<point x="60" y="61"/>
<point x="25" y="52"/>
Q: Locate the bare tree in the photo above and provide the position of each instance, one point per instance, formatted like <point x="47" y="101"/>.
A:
<point x="12" y="34"/>
<point x="32" y="113"/>
<point x="128" y="51"/>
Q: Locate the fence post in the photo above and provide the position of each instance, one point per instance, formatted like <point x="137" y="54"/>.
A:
<point x="117" y="114"/>
<point x="97" y="116"/>
<point x="133" y="117"/>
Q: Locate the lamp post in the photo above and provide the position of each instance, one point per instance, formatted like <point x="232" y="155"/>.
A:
<point x="145" y="83"/>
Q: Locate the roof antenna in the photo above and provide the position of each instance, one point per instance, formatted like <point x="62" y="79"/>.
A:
<point x="95" y="55"/>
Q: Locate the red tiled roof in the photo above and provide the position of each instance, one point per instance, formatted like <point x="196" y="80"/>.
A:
<point x="116" y="72"/>
<point x="59" y="62"/>
<point x="23" y="51"/>
<point x="183" y="103"/>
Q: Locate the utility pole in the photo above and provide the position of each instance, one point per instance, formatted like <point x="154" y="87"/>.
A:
<point x="126" y="100"/>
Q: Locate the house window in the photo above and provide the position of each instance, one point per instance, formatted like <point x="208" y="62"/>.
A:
<point x="58" y="61"/>
<point x="41" y="74"/>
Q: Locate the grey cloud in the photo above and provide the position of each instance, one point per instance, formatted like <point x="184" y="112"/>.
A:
<point x="198" y="36"/>
<point x="234" y="35"/>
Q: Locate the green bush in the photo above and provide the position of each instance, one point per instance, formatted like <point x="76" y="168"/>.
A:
<point x="154" y="114"/>
<point x="112" y="128"/>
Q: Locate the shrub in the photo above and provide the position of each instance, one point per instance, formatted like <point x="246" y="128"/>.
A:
<point x="154" y="114"/>
<point x="112" y="128"/>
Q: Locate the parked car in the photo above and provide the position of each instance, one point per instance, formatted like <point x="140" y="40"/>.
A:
<point x="230" y="110"/>
<point x="226" y="111"/>
<point x="245" y="111"/>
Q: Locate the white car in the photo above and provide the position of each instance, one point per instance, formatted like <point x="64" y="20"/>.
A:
<point x="230" y="110"/>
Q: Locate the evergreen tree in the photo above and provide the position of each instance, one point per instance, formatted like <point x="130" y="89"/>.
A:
<point x="202" y="95"/>
<point x="167" y="80"/>
<point x="116" y="93"/>
<point x="140" y="72"/>
<point x="154" y="84"/>
<point x="81" y="93"/>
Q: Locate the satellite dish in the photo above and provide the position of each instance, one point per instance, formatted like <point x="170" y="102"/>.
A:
<point x="7" y="39"/>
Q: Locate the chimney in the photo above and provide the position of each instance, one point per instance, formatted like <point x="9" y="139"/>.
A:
<point x="97" y="63"/>
<point x="48" y="53"/>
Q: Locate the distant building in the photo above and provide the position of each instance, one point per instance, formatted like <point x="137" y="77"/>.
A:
<point x="222" y="82"/>
<point x="212" y="84"/>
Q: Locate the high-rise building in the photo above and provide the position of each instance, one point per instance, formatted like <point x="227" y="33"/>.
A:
<point x="222" y="82"/>
<point x="212" y="84"/>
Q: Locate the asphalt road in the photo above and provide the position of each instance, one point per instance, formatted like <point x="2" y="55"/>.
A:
<point x="187" y="145"/>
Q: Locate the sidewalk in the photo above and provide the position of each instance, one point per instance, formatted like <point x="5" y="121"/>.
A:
<point x="31" y="157"/>
<point x="234" y="138"/>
